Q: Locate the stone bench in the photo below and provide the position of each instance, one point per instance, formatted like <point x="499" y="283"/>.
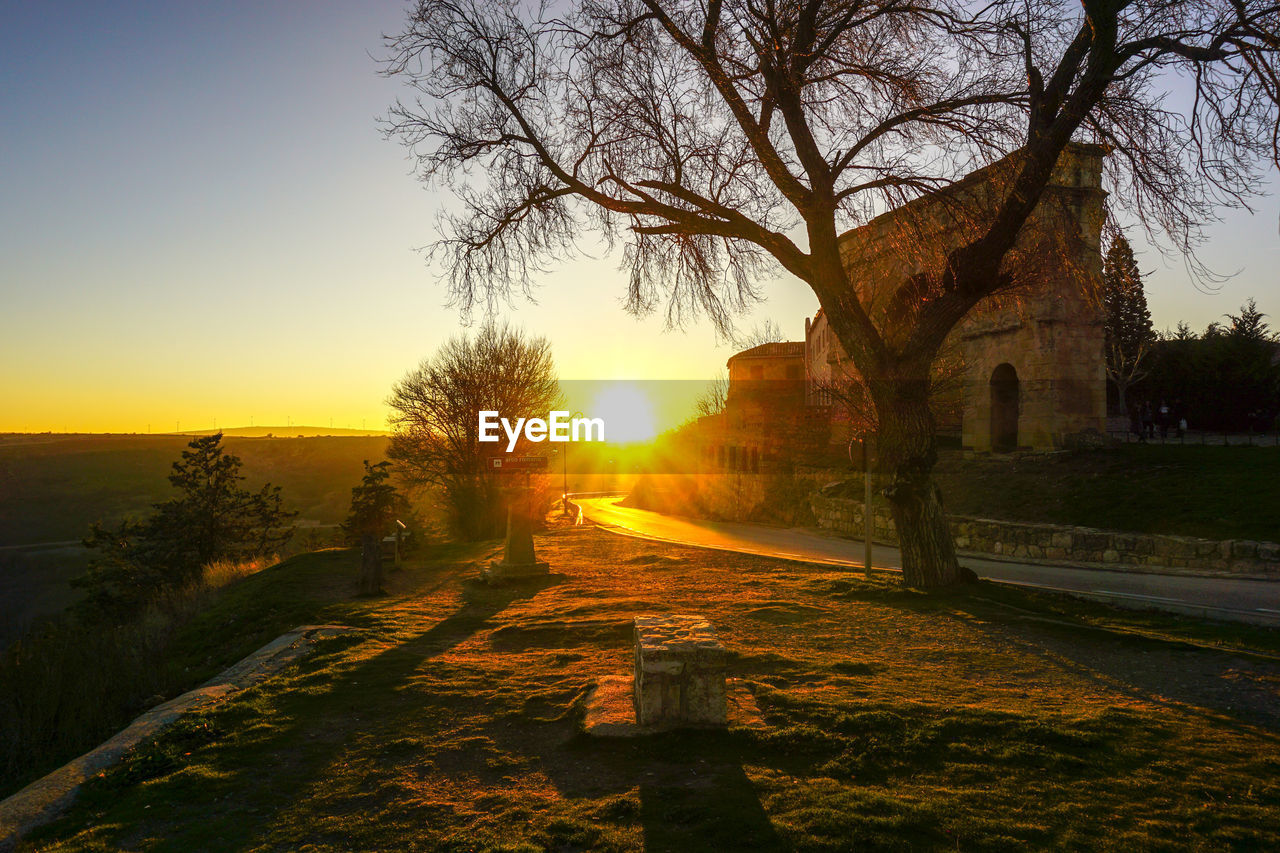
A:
<point x="680" y="672"/>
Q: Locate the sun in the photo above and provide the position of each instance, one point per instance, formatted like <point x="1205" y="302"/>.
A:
<point x="627" y="413"/>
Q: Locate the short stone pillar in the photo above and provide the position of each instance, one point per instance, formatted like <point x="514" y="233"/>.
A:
<point x="680" y="668"/>
<point x="518" y="559"/>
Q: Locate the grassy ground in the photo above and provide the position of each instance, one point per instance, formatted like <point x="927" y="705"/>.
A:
<point x="984" y="720"/>
<point x="1214" y="492"/>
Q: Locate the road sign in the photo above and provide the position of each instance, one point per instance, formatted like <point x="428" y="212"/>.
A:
<point x="520" y="463"/>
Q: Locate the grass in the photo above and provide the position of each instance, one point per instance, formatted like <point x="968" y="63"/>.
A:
<point x="67" y="685"/>
<point x="988" y="719"/>
<point x="1211" y="492"/>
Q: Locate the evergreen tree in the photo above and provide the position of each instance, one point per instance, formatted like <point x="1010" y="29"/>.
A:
<point x="1244" y="358"/>
<point x="1128" y="322"/>
<point x="375" y="505"/>
<point x="212" y="518"/>
<point x="1227" y="378"/>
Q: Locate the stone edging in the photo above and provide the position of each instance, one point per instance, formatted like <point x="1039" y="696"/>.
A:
<point x="1059" y="543"/>
<point x="47" y="797"/>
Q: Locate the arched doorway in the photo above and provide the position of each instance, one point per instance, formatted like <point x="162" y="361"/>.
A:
<point x="1004" y="408"/>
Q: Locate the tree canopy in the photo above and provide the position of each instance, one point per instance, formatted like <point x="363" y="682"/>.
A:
<point x="1128" y="321"/>
<point x="435" y="419"/>
<point x="375" y="506"/>
<point x="1227" y="378"/>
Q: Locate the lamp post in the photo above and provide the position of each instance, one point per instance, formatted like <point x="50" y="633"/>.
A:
<point x="868" y="515"/>
<point x="564" y="491"/>
<point x="564" y="460"/>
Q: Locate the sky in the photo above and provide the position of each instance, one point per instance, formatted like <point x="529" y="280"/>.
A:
<point x="201" y="225"/>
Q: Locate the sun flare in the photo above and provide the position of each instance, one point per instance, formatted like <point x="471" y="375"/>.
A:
<point x="627" y="412"/>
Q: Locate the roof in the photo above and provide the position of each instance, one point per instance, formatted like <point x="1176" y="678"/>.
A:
<point x="778" y="349"/>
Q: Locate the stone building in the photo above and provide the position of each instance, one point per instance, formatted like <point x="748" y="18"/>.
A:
<point x="1030" y="369"/>
<point x="765" y="424"/>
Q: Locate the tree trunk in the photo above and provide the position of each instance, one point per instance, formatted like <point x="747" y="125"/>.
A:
<point x="370" y="565"/>
<point x="908" y="452"/>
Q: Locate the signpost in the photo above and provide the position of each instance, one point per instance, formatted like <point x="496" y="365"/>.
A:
<point x="519" y="463"/>
<point x="518" y="559"/>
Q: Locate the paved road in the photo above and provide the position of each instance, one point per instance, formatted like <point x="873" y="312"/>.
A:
<point x="1223" y="598"/>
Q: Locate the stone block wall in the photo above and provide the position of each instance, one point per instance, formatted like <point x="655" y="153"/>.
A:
<point x="732" y="495"/>
<point x="1155" y="553"/>
<point x="1048" y="328"/>
<point x="679" y="672"/>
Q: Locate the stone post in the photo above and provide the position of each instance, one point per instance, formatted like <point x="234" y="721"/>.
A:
<point x="518" y="558"/>
<point x="679" y="672"/>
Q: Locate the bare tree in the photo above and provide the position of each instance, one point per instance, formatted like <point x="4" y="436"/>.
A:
<point x="435" y="422"/>
<point x="767" y="332"/>
<point x="714" y="399"/>
<point x="718" y="140"/>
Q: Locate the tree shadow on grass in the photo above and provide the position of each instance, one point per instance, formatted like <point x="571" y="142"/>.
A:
<point x="1218" y="686"/>
<point x="275" y="745"/>
<point x="722" y="812"/>
<point x="694" y="791"/>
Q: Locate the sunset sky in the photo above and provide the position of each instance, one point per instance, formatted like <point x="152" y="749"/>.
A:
<point x="200" y="220"/>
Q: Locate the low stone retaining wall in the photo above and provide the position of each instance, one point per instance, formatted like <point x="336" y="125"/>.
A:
<point x="1145" y="552"/>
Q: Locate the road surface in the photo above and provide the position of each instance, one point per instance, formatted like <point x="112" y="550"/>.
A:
<point x="1222" y="598"/>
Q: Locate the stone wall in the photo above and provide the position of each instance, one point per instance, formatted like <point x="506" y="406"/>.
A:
<point x="1045" y="332"/>
<point x="1131" y="551"/>
<point x="738" y="496"/>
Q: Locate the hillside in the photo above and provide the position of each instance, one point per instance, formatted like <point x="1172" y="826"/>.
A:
<point x="52" y="487"/>
<point x="1211" y="492"/>
<point x="286" y="431"/>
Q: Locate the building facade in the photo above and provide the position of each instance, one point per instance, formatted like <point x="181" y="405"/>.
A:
<point x="1027" y="368"/>
<point x="765" y="425"/>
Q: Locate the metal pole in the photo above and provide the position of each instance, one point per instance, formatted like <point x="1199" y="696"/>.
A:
<point x="867" y="515"/>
